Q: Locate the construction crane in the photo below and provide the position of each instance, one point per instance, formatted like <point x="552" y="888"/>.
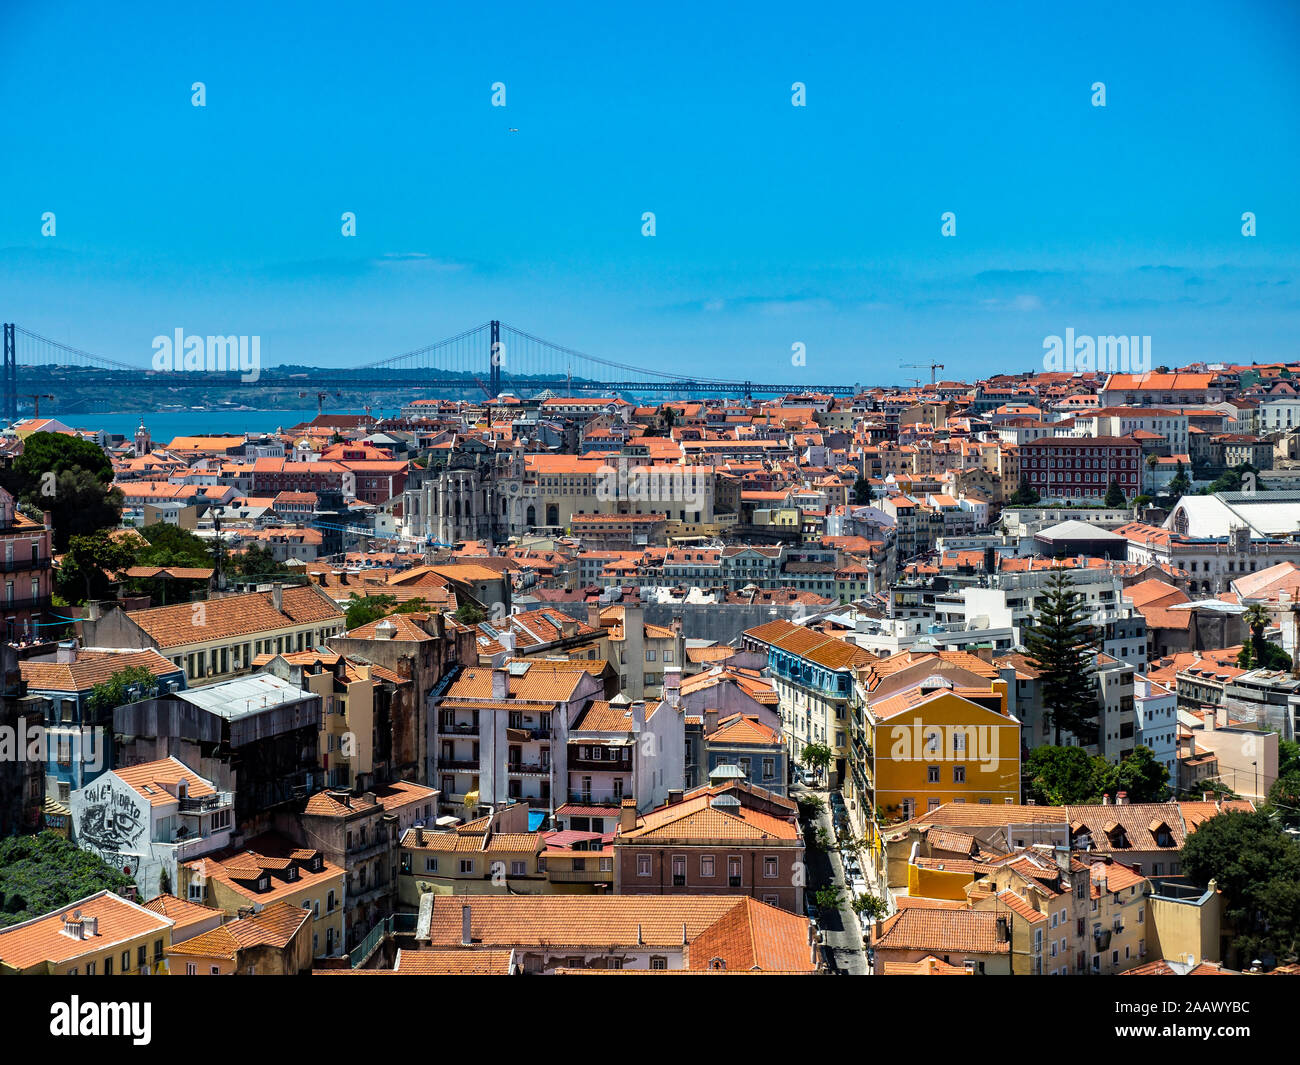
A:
<point x="320" y="399"/>
<point x="922" y="365"/>
<point x="36" y="402"/>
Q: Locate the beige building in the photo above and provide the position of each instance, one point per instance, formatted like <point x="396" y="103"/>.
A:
<point x="100" y="935"/>
<point x="270" y="869"/>
<point x="217" y="639"/>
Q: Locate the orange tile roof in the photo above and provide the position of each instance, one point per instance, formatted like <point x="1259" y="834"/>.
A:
<point x="235" y="615"/>
<point x="274" y="926"/>
<point x="946" y="931"/>
<point x="158" y="781"/>
<point x="91" y="667"/>
<point x="42" y="939"/>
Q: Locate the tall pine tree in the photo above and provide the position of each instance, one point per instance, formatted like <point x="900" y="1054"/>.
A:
<point x="1061" y="645"/>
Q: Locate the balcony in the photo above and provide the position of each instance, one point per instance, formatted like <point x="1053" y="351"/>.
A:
<point x="595" y="798"/>
<point x="529" y="769"/>
<point x="600" y="765"/>
<point x="454" y="729"/>
<point x="463" y="764"/>
<point x="41" y="602"/>
<point x="22" y="565"/>
<point x="207" y="803"/>
<point x="580" y="876"/>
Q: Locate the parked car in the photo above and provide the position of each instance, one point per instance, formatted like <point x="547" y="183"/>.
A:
<point x="806" y="777"/>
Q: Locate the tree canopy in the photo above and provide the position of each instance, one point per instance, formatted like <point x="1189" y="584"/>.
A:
<point x="125" y="686"/>
<point x="71" y="478"/>
<point x="362" y="610"/>
<point x="1061" y="646"/>
<point x="43" y="872"/>
<point x="1024" y="495"/>
<point x="1257" y="867"/>
<point x="1065" y="776"/>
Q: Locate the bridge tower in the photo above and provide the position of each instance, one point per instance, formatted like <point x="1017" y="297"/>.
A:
<point x="495" y="358"/>
<point x="9" y="400"/>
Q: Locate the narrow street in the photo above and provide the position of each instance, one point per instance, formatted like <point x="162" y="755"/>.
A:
<point x="842" y="934"/>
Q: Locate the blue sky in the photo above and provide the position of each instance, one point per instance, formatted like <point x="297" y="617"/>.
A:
<point x="775" y="224"/>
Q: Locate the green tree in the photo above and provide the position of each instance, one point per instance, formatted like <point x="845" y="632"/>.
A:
<point x="828" y="898"/>
<point x="71" y="478"/>
<point x="1180" y="484"/>
<point x="362" y="610"/>
<point x="817" y="757"/>
<point x="862" y="492"/>
<point x="870" y="907"/>
<point x="1256" y="619"/>
<point x="46" y="871"/>
<point x="1061" y="644"/>
<point x="1115" y="495"/>
<point x="92" y="564"/>
<point x="125" y="686"/>
<point x="258" y="563"/>
<point x="470" y="614"/>
<point x="1257" y="867"/>
<point x="1145" y="779"/>
<point x="1024" y="495"/>
<point x="1284" y="797"/>
<point x="1063" y="776"/>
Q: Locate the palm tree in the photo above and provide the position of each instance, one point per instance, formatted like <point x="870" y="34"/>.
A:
<point x="1257" y="619"/>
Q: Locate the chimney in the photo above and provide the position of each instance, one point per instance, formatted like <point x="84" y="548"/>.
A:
<point x="710" y="722"/>
<point x="277" y="597"/>
<point x="1105" y="799"/>
<point x="1208" y="717"/>
<point x="466" y="936"/>
<point x="593" y="615"/>
<point x="627" y="815"/>
<point x="675" y="795"/>
<point x="638" y="716"/>
<point x="67" y="652"/>
<point x="500" y="684"/>
<point x="1121" y="798"/>
<point x="1004" y="932"/>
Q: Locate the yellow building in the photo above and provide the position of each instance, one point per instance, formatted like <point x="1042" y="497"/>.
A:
<point x="273" y="942"/>
<point x="270" y="869"/>
<point x="100" y="935"/>
<point x="468" y="860"/>
<point x="1184" y="923"/>
<point x="937" y="730"/>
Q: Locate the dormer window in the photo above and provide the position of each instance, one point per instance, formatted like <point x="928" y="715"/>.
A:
<point x="264" y="883"/>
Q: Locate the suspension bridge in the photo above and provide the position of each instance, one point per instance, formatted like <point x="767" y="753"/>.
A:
<point x="489" y="359"/>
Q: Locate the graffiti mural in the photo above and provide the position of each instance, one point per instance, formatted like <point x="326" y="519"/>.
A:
<point x="110" y="819"/>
